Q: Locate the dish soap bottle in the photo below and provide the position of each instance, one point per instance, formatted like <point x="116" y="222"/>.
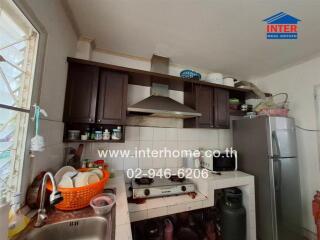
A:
<point x="17" y="221"/>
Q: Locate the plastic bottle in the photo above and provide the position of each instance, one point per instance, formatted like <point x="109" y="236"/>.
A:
<point x="17" y="221"/>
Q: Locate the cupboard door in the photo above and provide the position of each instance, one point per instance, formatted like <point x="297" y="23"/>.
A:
<point x="112" y="103"/>
<point x="221" y="108"/>
<point x="81" y="93"/>
<point x="204" y="101"/>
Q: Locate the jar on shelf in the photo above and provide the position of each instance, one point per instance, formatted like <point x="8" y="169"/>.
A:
<point x="98" y="135"/>
<point x="106" y="135"/>
<point x="116" y="133"/>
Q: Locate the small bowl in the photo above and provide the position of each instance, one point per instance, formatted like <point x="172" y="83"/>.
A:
<point x="103" y="203"/>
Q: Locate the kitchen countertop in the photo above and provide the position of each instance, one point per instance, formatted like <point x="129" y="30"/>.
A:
<point x="123" y="227"/>
<point x="161" y="206"/>
<point x="156" y="207"/>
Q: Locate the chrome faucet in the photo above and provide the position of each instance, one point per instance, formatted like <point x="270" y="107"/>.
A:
<point x="55" y="197"/>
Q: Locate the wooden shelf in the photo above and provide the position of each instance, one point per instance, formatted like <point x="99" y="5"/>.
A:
<point x="145" y="78"/>
<point x="82" y="127"/>
<point x="93" y="141"/>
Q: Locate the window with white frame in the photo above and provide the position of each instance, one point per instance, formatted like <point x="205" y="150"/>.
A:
<point x="18" y="51"/>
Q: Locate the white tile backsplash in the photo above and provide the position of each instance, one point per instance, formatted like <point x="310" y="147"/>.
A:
<point x="130" y="162"/>
<point x="116" y="163"/>
<point x="132" y="133"/>
<point x="171" y="162"/>
<point x="158" y="145"/>
<point x="146" y="133"/>
<point x="144" y="145"/>
<point x="159" y="163"/>
<point x="98" y="146"/>
<point x="159" y="134"/>
<point x="171" y="134"/>
<point x="158" y="138"/>
<point x="225" y="138"/>
<point x="188" y="134"/>
<point x="145" y="163"/>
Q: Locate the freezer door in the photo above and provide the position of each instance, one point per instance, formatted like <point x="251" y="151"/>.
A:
<point x="287" y="198"/>
<point x="284" y="143"/>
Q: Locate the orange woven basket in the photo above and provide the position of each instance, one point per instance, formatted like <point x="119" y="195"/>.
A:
<point x="77" y="198"/>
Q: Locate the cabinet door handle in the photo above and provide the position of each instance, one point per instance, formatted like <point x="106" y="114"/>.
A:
<point x="90" y="119"/>
<point x="99" y="120"/>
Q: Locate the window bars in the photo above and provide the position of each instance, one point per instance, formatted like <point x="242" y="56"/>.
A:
<point x="18" y="50"/>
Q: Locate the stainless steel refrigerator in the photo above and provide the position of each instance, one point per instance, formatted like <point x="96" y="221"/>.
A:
<point x="267" y="149"/>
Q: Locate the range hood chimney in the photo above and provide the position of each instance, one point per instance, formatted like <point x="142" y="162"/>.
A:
<point x="159" y="104"/>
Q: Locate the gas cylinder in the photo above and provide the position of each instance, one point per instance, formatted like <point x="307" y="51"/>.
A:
<point x="233" y="215"/>
<point x="316" y="212"/>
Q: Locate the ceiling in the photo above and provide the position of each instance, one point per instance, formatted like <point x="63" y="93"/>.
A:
<point x="217" y="35"/>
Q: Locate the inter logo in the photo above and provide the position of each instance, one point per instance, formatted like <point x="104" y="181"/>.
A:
<point x="282" y="26"/>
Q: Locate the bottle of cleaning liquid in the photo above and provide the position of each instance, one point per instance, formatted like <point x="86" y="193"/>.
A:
<point x="17" y="221"/>
<point x="4" y="219"/>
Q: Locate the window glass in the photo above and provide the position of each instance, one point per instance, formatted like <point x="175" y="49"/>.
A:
<point x="18" y="50"/>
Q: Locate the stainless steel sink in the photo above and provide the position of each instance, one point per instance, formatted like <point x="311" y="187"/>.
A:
<point x="80" y="225"/>
<point x="91" y="228"/>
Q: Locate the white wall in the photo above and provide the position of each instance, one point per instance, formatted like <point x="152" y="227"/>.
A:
<point x="61" y="43"/>
<point x="138" y="63"/>
<point x="299" y="82"/>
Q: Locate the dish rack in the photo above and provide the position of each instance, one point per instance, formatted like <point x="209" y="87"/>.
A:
<point x="77" y="198"/>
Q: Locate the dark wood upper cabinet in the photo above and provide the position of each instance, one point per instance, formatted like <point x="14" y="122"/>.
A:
<point x="95" y="95"/>
<point x="221" y="108"/>
<point x="212" y="103"/>
<point x="112" y="101"/>
<point x="204" y="101"/>
<point x="81" y="93"/>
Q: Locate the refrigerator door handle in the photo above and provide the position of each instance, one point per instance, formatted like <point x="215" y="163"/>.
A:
<point x="277" y="174"/>
<point x="277" y="151"/>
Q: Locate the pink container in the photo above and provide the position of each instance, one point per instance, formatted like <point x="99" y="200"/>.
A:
<point x="281" y="112"/>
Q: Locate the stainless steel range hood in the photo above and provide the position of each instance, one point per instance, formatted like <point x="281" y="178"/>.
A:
<point x="159" y="104"/>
